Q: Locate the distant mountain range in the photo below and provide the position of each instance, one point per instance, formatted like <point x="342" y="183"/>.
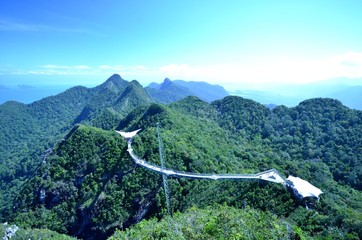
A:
<point x="348" y="91"/>
<point x="166" y="92"/>
<point x="170" y="91"/>
<point x="350" y="96"/>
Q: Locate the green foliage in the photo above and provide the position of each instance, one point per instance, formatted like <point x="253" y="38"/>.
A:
<point x="217" y="222"/>
<point x="321" y="130"/>
<point x="88" y="185"/>
<point x="34" y="234"/>
<point x="28" y="131"/>
<point x="83" y="188"/>
<point x="244" y="115"/>
<point x="113" y="100"/>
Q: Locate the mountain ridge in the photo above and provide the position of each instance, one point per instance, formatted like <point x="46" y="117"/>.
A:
<point x="85" y="184"/>
<point x="229" y="135"/>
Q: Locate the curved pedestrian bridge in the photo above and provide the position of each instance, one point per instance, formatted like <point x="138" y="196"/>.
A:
<point x="299" y="187"/>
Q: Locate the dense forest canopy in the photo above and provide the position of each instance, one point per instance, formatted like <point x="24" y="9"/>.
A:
<point x="65" y="169"/>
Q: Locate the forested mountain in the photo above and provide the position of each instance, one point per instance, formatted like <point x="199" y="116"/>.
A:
<point x="112" y="101"/>
<point x="89" y="186"/>
<point x="86" y="185"/>
<point x="171" y="91"/>
<point x="28" y="131"/>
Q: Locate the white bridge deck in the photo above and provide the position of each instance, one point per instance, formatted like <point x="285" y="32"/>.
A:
<point x="303" y="188"/>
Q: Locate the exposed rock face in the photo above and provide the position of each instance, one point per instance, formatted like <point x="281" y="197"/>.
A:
<point x="10" y="231"/>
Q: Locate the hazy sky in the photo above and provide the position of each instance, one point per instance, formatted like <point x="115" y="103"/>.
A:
<point x="233" y="43"/>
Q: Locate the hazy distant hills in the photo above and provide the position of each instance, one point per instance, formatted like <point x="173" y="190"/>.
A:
<point x="350" y="96"/>
<point x="348" y="91"/>
<point x="170" y="91"/>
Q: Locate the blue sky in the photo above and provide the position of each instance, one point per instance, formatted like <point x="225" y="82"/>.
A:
<point x="233" y="43"/>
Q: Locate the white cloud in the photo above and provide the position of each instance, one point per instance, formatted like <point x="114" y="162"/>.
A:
<point x="103" y="70"/>
<point x="348" y="64"/>
<point x="273" y="70"/>
<point x="177" y="70"/>
<point x="105" y="67"/>
<point x="258" y="74"/>
<point x="126" y="71"/>
<point x="74" y="67"/>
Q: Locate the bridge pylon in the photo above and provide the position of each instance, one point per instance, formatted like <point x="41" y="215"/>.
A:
<point x="164" y="176"/>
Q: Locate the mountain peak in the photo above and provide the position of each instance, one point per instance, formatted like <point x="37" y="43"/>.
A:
<point x="136" y="83"/>
<point x="167" y="82"/>
<point x="115" y="78"/>
<point x="115" y="83"/>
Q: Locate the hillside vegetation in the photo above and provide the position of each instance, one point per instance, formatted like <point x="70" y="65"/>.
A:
<point x="87" y="185"/>
<point x="218" y="222"/>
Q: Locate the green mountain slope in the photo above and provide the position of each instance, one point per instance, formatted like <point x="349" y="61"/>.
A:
<point x="89" y="186"/>
<point x="79" y="189"/>
<point x="30" y="125"/>
<point x="113" y="100"/>
<point x="316" y="130"/>
<point x="217" y="222"/>
<point x="29" y="131"/>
